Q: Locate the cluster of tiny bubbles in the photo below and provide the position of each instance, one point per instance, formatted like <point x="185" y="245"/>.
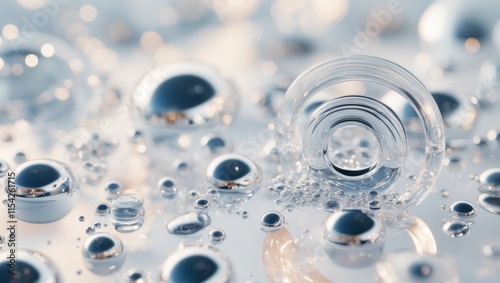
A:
<point x="136" y="276"/>
<point x="196" y="264"/>
<point x="127" y="213"/>
<point x="215" y="143"/>
<point x="201" y="204"/>
<point x="90" y="145"/>
<point x="4" y="168"/>
<point x="489" y="186"/>
<point x="308" y="191"/>
<point x="353" y="237"/>
<point x="102" y="209"/>
<point x="167" y="188"/>
<point x="272" y="221"/>
<point x="188" y="223"/>
<point x="30" y="266"/>
<point x="217" y="236"/>
<point x="103" y="253"/>
<point x="409" y="266"/>
<point x="46" y="190"/>
<point x="455" y="228"/>
<point x="235" y="177"/>
<point x="113" y="189"/>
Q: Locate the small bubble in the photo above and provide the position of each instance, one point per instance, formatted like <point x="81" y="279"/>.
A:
<point x="455" y="229"/>
<point x="113" y="189"/>
<point x="90" y="230"/>
<point x="374" y="205"/>
<point x="102" y="209"/>
<point x="331" y="205"/>
<point x="245" y="214"/>
<point x="103" y="253"/>
<point x="490" y="203"/>
<point x="193" y="194"/>
<point x="166" y="186"/>
<point x="188" y="223"/>
<point x="20" y="157"/>
<point x="81" y="218"/>
<point x="217" y="236"/>
<point x="127" y="213"/>
<point x="445" y="193"/>
<point x="490" y="181"/>
<point x="272" y="221"/>
<point x="97" y="225"/>
<point x="135" y="276"/>
<point x="202" y="204"/>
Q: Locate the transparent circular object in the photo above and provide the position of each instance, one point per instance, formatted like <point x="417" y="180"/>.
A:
<point x="127" y="213"/>
<point x="184" y="96"/>
<point x="103" y="253"/>
<point x="355" y="142"/>
<point x="45" y="190"/>
<point x="409" y="266"/>
<point x="196" y="264"/>
<point x="40" y="79"/>
<point x="272" y="221"/>
<point x="27" y="266"/>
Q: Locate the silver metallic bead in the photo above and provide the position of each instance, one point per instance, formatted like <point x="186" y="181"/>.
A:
<point x="103" y="253"/>
<point x="196" y="264"/>
<point x="353" y="237"/>
<point x="30" y="266"/>
<point x="184" y="96"/>
<point x="46" y="190"/>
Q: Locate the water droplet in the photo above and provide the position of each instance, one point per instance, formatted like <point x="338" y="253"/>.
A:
<point x="196" y="264"/>
<point x="272" y="221"/>
<point x="166" y="186"/>
<point x="490" y="203"/>
<point x="215" y="144"/>
<point x="181" y="166"/>
<point x="97" y="225"/>
<point x="127" y="213"/>
<point x="113" y="189"/>
<point x="462" y="209"/>
<point x="2" y="242"/>
<point x="445" y="193"/>
<point x="4" y="168"/>
<point x="490" y="181"/>
<point x="193" y="194"/>
<point x="46" y="190"/>
<point x="188" y="223"/>
<point x="235" y="177"/>
<point x="331" y="205"/>
<point x="353" y="228"/>
<point x="455" y="229"/>
<point x="30" y="267"/>
<point x="81" y="218"/>
<point x="245" y="214"/>
<point x="136" y="276"/>
<point x="20" y="157"/>
<point x="103" y="253"/>
<point x="374" y="205"/>
<point x="102" y="209"/>
<point x="90" y="230"/>
<point x="201" y="204"/>
<point x="408" y="266"/>
<point x="217" y="236"/>
<point x="492" y="251"/>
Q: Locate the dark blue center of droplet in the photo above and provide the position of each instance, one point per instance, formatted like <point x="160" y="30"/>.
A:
<point x="470" y="28"/>
<point x="493" y="179"/>
<point x="100" y="245"/>
<point x="102" y="207"/>
<point x="215" y="143"/>
<point x="353" y="222"/>
<point x="446" y="103"/>
<point x="217" y="234"/>
<point x="272" y="218"/>
<point x="25" y="273"/>
<point x="181" y="93"/>
<point x="202" y="202"/>
<point x="37" y="176"/>
<point x="420" y="270"/>
<point x="463" y="207"/>
<point x="231" y="169"/>
<point x="135" y="276"/>
<point x="194" y="269"/>
<point x="492" y="200"/>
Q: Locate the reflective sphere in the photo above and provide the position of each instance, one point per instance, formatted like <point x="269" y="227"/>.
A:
<point x="272" y="221"/>
<point x="136" y="276"/>
<point x="196" y="264"/>
<point x="217" y="236"/>
<point x="46" y="190"/>
<point x="184" y="96"/>
<point x="39" y="79"/>
<point x="458" y="31"/>
<point x="462" y="209"/>
<point x="215" y="144"/>
<point x="103" y="253"/>
<point x="167" y="188"/>
<point x="30" y="266"/>
<point x="353" y="238"/>
<point x="235" y="177"/>
<point x="408" y="266"/>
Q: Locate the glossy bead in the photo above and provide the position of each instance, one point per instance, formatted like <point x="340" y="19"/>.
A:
<point x="196" y="264"/>
<point x="103" y="253"/>
<point x="46" y="190"/>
